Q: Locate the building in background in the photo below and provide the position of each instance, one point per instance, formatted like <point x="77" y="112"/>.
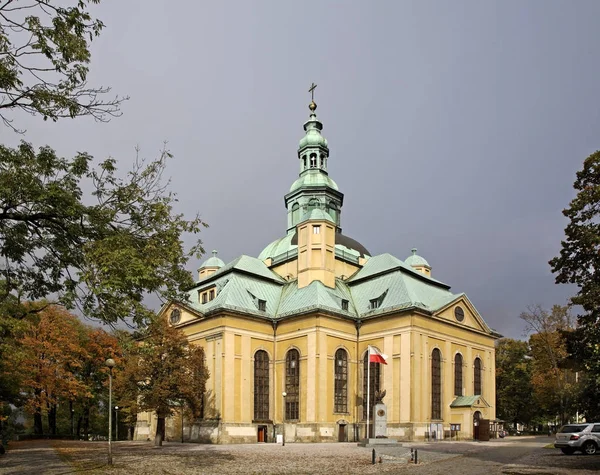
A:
<point x="297" y="320"/>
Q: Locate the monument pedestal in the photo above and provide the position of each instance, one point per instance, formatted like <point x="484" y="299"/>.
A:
<point x="380" y="429"/>
<point x="381" y="442"/>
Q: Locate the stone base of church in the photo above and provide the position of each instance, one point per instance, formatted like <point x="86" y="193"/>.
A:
<point x="219" y="432"/>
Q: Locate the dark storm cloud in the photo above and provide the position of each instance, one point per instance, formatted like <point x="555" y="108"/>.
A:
<point x="454" y="127"/>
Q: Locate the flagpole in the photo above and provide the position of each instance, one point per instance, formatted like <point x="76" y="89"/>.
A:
<point x="368" y="386"/>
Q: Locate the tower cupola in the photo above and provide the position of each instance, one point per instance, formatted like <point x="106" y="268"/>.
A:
<point x="210" y="266"/>
<point x="418" y="263"/>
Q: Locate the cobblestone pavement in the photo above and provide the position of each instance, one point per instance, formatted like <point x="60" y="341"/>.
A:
<point x="33" y="456"/>
<point x="520" y="456"/>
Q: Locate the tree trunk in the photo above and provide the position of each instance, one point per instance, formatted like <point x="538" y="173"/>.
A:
<point x="79" y="421"/>
<point x="86" y="421"/>
<point x="38" y="428"/>
<point x="52" y="419"/>
<point x="160" y="431"/>
<point x="130" y="430"/>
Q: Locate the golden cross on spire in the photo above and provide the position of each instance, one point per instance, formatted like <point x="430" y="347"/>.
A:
<point x="313" y="86"/>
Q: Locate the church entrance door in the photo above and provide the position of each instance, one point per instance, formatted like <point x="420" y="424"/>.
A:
<point x="476" y="419"/>
<point x="341" y="433"/>
<point x="262" y="433"/>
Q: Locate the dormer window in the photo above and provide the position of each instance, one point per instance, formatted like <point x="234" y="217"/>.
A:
<point x="376" y="303"/>
<point x="262" y="305"/>
<point x="344" y="304"/>
<point x="204" y="297"/>
<point x="211" y="294"/>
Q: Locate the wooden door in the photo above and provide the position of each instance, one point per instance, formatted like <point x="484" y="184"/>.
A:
<point x="484" y="430"/>
<point x="341" y="433"/>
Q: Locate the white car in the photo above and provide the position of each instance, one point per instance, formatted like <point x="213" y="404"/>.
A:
<point x="582" y="437"/>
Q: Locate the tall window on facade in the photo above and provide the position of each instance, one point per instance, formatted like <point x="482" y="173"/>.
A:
<point x="341" y="381"/>
<point x="458" y="376"/>
<point x="261" y="386"/>
<point x="313" y="160"/>
<point x="292" y="385"/>
<point x="436" y="384"/>
<point x="477" y="377"/>
<point x="375" y="386"/>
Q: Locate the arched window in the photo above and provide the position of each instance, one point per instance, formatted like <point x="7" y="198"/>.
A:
<point x="332" y="211"/>
<point x="313" y="160"/>
<point x="261" y="386"/>
<point x="321" y="161"/>
<point x="477" y="377"/>
<point x="295" y="214"/>
<point x="436" y="384"/>
<point x="375" y="386"/>
<point x="314" y="203"/>
<point x="341" y="381"/>
<point x="304" y="162"/>
<point x="292" y="385"/>
<point x="458" y="376"/>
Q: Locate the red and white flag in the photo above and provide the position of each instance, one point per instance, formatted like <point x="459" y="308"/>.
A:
<point x="375" y="356"/>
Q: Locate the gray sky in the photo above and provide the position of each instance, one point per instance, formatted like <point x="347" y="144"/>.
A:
<point x="454" y="127"/>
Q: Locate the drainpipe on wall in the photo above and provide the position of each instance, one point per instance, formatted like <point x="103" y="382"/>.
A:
<point x="357" y="324"/>
<point x="272" y="395"/>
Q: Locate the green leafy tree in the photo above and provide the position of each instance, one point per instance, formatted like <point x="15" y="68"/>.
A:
<point x="513" y="382"/>
<point x="162" y="372"/>
<point x="102" y="252"/>
<point x="579" y="264"/>
<point x="44" y="61"/>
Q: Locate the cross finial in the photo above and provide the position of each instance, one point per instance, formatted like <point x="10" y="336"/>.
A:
<point x="313" y="86"/>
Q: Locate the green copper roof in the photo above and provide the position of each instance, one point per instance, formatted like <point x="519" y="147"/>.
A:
<point x="415" y="260"/>
<point x="278" y="247"/>
<point x="317" y="214"/>
<point x="313" y="178"/>
<point x="244" y="282"/>
<point x="313" y="137"/>
<point x="468" y="401"/>
<point x="213" y="261"/>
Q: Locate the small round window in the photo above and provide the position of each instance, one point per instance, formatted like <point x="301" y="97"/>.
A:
<point x="459" y="314"/>
<point x="175" y="316"/>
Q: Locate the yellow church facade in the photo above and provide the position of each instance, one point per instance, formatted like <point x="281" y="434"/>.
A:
<point x="286" y="334"/>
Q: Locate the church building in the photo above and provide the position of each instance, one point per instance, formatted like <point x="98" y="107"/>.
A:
<point x="286" y="334"/>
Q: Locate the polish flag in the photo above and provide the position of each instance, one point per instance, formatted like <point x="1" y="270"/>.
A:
<point x="375" y="356"/>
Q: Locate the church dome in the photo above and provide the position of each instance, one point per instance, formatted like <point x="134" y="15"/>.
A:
<point x="290" y="243"/>
<point x="313" y="179"/>
<point x="415" y="260"/>
<point x="313" y="138"/>
<point x="213" y="261"/>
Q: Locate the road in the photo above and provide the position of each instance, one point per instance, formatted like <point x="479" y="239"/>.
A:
<point x="513" y="456"/>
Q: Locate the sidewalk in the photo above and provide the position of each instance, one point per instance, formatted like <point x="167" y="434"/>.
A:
<point x="33" y="456"/>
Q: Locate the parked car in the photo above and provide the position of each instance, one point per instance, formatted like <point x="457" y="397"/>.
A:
<point x="578" y="437"/>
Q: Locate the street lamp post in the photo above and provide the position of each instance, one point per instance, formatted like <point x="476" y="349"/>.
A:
<point x="116" y="422"/>
<point x="111" y="364"/>
<point x="284" y="394"/>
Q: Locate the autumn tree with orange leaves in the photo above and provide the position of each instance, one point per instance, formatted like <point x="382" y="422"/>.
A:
<point x="60" y="360"/>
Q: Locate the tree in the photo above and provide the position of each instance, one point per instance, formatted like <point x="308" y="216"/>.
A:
<point x="93" y="373"/>
<point x="163" y="372"/>
<point x="513" y="382"/>
<point x="44" y="58"/>
<point x="53" y="353"/>
<point x="554" y="386"/>
<point x="579" y="264"/>
<point x="102" y="252"/>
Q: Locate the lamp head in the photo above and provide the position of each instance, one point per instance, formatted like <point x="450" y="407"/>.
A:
<point x="110" y="363"/>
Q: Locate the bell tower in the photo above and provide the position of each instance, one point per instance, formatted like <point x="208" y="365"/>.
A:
<point x="314" y="189"/>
